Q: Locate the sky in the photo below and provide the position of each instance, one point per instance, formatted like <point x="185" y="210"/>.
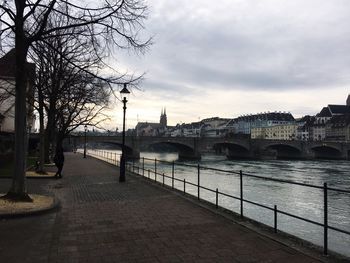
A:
<point x="232" y="57"/>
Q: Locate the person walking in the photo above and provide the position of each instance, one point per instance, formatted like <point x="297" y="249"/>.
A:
<point x="59" y="162"/>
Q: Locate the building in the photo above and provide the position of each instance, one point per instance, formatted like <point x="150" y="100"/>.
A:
<point x="338" y="128"/>
<point x="163" y="119"/>
<point x="277" y="132"/>
<point x="192" y="129"/>
<point x="245" y="123"/>
<point x="7" y="91"/>
<point x="153" y="129"/>
<point x="320" y="130"/>
<point x="215" y="127"/>
<point x="304" y="127"/>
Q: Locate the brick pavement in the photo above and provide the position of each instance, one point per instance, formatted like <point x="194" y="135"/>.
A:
<point x="101" y="220"/>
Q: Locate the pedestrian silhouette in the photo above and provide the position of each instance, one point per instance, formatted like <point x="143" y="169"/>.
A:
<point x="59" y="161"/>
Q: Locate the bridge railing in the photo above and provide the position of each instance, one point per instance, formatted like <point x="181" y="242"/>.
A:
<point x="152" y="172"/>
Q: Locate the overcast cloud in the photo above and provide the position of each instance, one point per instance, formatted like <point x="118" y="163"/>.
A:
<point x="229" y="57"/>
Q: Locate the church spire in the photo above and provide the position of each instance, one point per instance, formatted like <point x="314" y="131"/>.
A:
<point x="163" y="118"/>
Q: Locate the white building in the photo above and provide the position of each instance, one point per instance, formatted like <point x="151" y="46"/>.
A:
<point x="215" y="127"/>
<point x="245" y="123"/>
<point x="7" y="90"/>
<point x="285" y="132"/>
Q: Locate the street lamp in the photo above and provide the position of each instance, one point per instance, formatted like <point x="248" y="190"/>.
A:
<point x="124" y="94"/>
<point x="85" y="129"/>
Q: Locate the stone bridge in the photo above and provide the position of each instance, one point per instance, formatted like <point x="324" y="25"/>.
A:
<point x="236" y="147"/>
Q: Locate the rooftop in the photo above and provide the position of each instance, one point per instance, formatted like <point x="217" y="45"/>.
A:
<point x="339" y="109"/>
<point x="325" y="112"/>
<point x="275" y="116"/>
<point x="8" y="65"/>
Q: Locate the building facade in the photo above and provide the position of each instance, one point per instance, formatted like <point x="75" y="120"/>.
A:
<point x="151" y="128"/>
<point x="244" y="124"/>
<point x="7" y="91"/>
<point x="338" y="128"/>
<point x="277" y="132"/>
<point x="330" y="123"/>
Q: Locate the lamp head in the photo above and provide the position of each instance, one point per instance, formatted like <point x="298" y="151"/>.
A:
<point x="124" y="93"/>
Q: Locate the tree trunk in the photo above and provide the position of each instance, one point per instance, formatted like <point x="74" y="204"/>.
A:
<point x="18" y="188"/>
<point x="49" y="141"/>
<point x="42" y="133"/>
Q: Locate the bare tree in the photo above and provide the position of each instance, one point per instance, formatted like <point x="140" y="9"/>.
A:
<point x="71" y="89"/>
<point x="117" y="23"/>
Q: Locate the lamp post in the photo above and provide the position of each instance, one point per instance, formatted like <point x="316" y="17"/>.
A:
<point x="85" y="131"/>
<point x="124" y="93"/>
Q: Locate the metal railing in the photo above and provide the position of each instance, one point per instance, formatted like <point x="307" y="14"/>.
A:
<point x="142" y="171"/>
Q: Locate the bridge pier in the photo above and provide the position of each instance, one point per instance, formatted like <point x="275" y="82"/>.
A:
<point x="189" y="153"/>
<point x="189" y="156"/>
<point x="234" y="155"/>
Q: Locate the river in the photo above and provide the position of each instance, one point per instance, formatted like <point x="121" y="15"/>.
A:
<point x="298" y="200"/>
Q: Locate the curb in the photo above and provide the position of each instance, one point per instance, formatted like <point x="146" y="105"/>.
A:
<point x="30" y="177"/>
<point x="55" y="205"/>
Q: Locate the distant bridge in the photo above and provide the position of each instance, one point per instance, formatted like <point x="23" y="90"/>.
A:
<point x="236" y="147"/>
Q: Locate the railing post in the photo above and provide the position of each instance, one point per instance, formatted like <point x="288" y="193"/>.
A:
<point x="172" y="175"/>
<point x="155" y="176"/>
<point x="198" y="180"/>
<point x="133" y="165"/>
<point x="184" y="186"/>
<point x="217" y="199"/>
<point x="275" y="218"/>
<point x="325" y="223"/>
<point x="163" y="179"/>
<point x="149" y="173"/>
<point x="155" y="167"/>
<point x="143" y="166"/>
<point x="241" y="190"/>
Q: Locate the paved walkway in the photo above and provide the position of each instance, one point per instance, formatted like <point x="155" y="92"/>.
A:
<point x="101" y="220"/>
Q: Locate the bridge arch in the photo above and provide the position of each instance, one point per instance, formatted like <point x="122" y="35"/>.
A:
<point x="282" y="151"/>
<point x="326" y="152"/>
<point x="129" y="151"/>
<point x="185" y="152"/>
<point x="233" y="150"/>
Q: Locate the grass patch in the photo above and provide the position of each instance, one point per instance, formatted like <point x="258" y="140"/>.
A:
<point x="7" y="169"/>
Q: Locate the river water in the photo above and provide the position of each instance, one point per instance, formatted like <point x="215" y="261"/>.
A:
<point x="298" y="200"/>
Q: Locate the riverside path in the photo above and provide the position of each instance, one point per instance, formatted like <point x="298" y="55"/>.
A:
<point x="101" y="220"/>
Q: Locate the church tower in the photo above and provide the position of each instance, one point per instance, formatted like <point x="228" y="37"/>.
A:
<point x="348" y="101"/>
<point x="163" y="119"/>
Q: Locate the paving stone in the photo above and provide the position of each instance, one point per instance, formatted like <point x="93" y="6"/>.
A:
<point x="101" y="220"/>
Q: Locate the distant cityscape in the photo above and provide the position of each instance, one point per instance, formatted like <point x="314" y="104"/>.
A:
<point x="332" y="123"/>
